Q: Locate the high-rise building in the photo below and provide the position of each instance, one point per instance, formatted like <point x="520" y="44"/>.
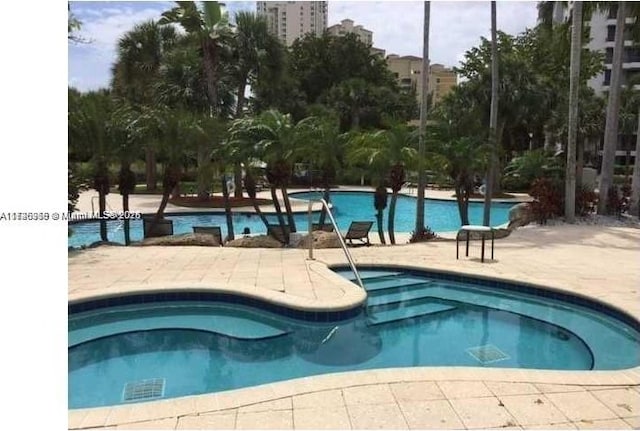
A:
<point x="602" y="29"/>
<point x="346" y="26"/>
<point x="365" y="36"/>
<point x="290" y="20"/>
<point x="408" y="71"/>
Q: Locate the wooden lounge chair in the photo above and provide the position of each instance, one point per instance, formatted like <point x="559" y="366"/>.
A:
<point x="210" y="230"/>
<point x="152" y="229"/>
<point x="275" y="231"/>
<point x="359" y="230"/>
<point x="327" y="227"/>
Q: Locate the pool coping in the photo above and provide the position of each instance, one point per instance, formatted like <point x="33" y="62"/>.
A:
<point x="208" y="403"/>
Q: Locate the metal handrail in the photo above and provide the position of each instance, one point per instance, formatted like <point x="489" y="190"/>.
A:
<point x="340" y="238"/>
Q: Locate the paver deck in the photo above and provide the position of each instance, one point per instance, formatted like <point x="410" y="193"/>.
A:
<point x="595" y="261"/>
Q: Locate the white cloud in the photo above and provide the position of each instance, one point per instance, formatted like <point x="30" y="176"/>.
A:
<point x="91" y="63"/>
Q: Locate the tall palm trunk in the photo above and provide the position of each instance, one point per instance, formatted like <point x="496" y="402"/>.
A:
<point x="634" y="204"/>
<point x="151" y="171"/>
<point x="422" y="181"/>
<point x="613" y="107"/>
<point x="287" y="206"/>
<point x="237" y="168"/>
<point x="574" y="84"/>
<point x="101" y="185"/>
<point x="169" y="182"/>
<point x="237" y="180"/>
<point x="462" y="199"/>
<point x="276" y="205"/>
<point x="579" y="163"/>
<point x="227" y="209"/>
<point x="210" y="65"/>
<point x="202" y="162"/>
<point x="250" y="185"/>
<point x="127" y="222"/>
<point x="396" y="178"/>
<point x="392" y="217"/>
<point x="380" y="203"/>
<point x="126" y="185"/>
<point x="493" y="120"/>
<point x="102" y="207"/>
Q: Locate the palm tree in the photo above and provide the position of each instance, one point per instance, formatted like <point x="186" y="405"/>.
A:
<point x="172" y="128"/>
<point x="423" y="120"/>
<point x="613" y="107"/>
<point x="139" y="57"/>
<point x="389" y="151"/>
<point x="241" y="148"/>
<point x="279" y="138"/>
<point x="127" y="133"/>
<point x="574" y="84"/>
<point x="493" y="119"/>
<point x="210" y="27"/>
<point x="251" y="44"/>
<point x="88" y="119"/>
<point x="322" y="146"/>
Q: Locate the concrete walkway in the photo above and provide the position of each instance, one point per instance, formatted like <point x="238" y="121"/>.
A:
<point x="595" y="261"/>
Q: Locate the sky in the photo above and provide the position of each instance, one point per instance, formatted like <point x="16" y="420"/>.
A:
<point x="455" y="27"/>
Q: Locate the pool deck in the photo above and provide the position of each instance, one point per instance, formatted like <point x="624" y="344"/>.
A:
<point x="595" y="261"/>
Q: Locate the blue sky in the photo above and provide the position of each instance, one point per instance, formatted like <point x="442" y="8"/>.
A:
<point x="397" y="28"/>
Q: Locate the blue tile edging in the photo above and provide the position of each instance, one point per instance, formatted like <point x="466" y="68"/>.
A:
<point x="198" y="295"/>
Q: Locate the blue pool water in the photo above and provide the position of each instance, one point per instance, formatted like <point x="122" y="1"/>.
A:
<point x="410" y="319"/>
<point x="440" y="216"/>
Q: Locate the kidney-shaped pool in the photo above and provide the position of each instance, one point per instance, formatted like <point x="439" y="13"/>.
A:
<point x="153" y="346"/>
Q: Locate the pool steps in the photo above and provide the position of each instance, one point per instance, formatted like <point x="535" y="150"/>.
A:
<point x="426" y="297"/>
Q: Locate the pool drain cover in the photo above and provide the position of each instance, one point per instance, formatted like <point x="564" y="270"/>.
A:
<point x="143" y="390"/>
<point x="487" y="354"/>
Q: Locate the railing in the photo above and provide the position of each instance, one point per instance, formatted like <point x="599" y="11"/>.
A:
<point x="340" y="238"/>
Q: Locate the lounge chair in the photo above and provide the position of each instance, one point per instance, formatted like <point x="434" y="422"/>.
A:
<point x="276" y="232"/>
<point x="327" y="227"/>
<point x="359" y="230"/>
<point x="210" y="230"/>
<point x="152" y="228"/>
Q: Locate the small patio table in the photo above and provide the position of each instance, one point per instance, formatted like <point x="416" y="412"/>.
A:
<point x="483" y="230"/>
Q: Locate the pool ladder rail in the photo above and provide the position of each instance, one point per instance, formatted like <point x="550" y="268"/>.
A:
<point x="343" y="245"/>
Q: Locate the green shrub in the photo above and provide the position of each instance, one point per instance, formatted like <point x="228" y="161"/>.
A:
<point x="521" y="171"/>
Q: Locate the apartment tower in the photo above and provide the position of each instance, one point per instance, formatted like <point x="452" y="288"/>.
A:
<point x="290" y="20"/>
<point x="408" y="69"/>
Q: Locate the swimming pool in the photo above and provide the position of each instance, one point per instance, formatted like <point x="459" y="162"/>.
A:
<point x="148" y="347"/>
<point x="440" y="216"/>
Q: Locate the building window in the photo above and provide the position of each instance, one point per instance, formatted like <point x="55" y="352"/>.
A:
<point x="608" y="58"/>
<point x="613" y="11"/>
<point x="611" y="33"/>
<point x="607" y="77"/>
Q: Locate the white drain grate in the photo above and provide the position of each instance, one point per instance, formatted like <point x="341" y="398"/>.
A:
<point x="143" y="390"/>
<point x="487" y="354"/>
